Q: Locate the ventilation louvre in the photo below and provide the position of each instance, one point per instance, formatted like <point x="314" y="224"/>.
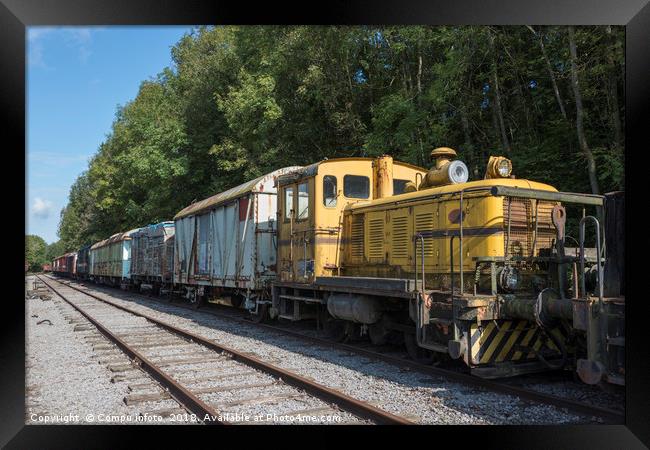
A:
<point x="400" y="238"/>
<point x="356" y="236"/>
<point x="424" y="222"/>
<point x="376" y="238"/>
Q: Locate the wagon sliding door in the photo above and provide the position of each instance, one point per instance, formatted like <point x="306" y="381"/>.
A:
<point x="265" y="233"/>
<point x="247" y="250"/>
<point x="183" y="241"/>
<point x="232" y="245"/>
<point x="224" y="247"/>
<point x="203" y="246"/>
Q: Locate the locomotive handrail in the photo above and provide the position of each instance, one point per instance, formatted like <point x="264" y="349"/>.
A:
<point x="451" y="263"/>
<point x="564" y="197"/>
<point x="460" y="220"/>
<point x="419" y="236"/>
<point x="583" y="221"/>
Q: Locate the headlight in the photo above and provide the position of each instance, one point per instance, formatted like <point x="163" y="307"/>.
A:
<point x="509" y="279"/>
<point x="458" y="172"/>
<point x="505" y="168"/>
<point x="498" y="167"/>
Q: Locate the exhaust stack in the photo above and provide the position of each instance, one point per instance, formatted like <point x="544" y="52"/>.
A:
<point x="383" y="177"/>
<point x="447" y="170"/>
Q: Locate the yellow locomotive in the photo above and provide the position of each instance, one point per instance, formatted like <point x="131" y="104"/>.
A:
<point x="472" y="270"/>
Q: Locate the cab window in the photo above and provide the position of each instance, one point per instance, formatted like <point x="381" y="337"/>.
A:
<point x="356" y="186"/>
<point x="303" y="201"/>
<point x="288" y="202"/>
<point x="398" y="186"/>
<point x="329" y="190"/>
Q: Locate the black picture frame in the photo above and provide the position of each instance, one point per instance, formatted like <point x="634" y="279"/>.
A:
<point x="16" y="15"/>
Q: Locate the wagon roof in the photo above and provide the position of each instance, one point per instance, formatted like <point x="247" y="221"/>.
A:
<point x="312" y="169"/>
<point x="231" y="194"/>
<point x="153" y="227"/>
<point x="115" y="238"/>
<point x="65" y="255"/>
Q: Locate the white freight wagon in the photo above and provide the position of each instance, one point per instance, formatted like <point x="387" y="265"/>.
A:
<point x="225" y="245"/>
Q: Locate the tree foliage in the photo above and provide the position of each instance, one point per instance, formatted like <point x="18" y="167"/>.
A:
<point x="238" y="102"/>
<point x="35" y="252"/>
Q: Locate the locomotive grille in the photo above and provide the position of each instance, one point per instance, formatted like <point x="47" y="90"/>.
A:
<point x="356" y="236"/>
<point x="424" y="222"/>
<point x="522" y="226"/>
<point x="400" y="240"/>
<point x="376" y="238"/>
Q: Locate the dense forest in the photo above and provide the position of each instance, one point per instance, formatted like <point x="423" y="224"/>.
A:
<point x="241" y="101"/>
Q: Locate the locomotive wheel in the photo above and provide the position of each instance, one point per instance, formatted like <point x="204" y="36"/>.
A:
<point x="377" y="334"/>
<point x="337" y="330"/>
<point x="417" y="353"/>
<point x="262" y="313"/>
<point x="236" y="300"/>
<point x="197" y="301"/>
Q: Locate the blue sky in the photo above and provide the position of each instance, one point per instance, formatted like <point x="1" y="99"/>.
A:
<point x="76" y="78"/>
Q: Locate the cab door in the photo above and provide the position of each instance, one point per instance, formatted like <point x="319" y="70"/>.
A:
<point x="286" y="219"/>
<point x="296" y="232"/>
<point x="303" y="232"/>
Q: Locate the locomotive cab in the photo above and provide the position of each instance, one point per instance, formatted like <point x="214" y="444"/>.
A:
<point x="312" y="202"/>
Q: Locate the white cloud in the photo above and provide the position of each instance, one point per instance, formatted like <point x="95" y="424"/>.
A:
<point x="78" y="38"/>
<point x="42" y="208"/>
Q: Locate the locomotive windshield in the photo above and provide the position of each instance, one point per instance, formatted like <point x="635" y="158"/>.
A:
<point x="355" y="186"/>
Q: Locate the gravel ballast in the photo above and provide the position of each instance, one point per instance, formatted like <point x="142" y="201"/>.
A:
<point x="65" y="380"/>
<point x="421" y="398"/>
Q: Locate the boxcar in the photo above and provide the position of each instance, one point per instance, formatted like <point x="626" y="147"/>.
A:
<point x="57" y="264"/>
<point x="62" y="265"/>
<point x="82" y="262"/>
<point x="71" y="264"/>
<point x="152" y="256"/>
<point x="110" y="259"/>
<point x="225" y="245"/>
<point x="47" y="268"/>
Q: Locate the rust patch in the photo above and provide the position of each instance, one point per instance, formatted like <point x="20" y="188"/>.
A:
<point x="454" y="216"/>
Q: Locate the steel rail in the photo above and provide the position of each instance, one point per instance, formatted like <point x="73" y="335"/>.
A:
<point x="573" y="405"/>
<point x="350" y="404"/>
<point x="188" y="400"/>
<point x="471" y="380"/>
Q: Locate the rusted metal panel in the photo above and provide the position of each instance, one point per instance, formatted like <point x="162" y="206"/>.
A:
<point x="151" y="249"/>
<point x="83" y="261"/>
<point x="112" y="257"/>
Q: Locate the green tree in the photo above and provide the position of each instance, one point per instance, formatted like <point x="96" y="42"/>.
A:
<point x="238" y="102"/>
<point x="35" y="256"/>
<point x="54" y="250"/>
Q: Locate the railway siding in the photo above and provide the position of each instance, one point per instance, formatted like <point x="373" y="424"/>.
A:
<point x="421" y="398"/>
<point x="263" y="398"/>
<point x="74" y="375"/>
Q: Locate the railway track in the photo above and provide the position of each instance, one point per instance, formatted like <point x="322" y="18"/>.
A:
<point x="608" y="415"/>
<point x="141" y="337"/>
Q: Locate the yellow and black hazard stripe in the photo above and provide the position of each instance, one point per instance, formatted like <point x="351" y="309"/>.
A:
<point x="508" y="340"/>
